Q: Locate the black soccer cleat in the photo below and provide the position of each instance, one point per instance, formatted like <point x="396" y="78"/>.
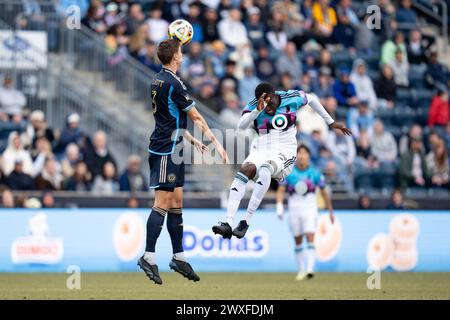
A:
<point x="310" y="275"/>
<point x="224" y="229"/>
<point x="151" y="270"/>
<point x="184" y="269"/>
<point x="240" y="231"/>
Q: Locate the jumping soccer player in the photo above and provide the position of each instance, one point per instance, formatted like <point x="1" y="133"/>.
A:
<point x="273" y="153"/>
<point x="301" y="185"/>
<point x="171" y="107"/>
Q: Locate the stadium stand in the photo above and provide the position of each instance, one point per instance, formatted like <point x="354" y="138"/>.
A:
<point x="382" y="82"/>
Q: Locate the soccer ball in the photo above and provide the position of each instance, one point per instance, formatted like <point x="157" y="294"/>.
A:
<point x="181" y="30"/>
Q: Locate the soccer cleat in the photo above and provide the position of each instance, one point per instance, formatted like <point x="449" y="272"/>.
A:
<point x="310" y="275"/>
<point x="224" y="229"/>
<point x="184" y="269"/>
<point x="240" y="231"/>
<point x="300" y="276"/>
<point x="151" y="270"/>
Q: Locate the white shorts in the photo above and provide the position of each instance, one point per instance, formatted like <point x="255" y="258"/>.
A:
<point x="283" y="161"/>
<point x="302" y="220"/>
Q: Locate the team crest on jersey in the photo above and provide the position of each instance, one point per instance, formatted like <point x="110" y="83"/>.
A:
<point x="279" y="122"/>
<point x="171" y="177"/>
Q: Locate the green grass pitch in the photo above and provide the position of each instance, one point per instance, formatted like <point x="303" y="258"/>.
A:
<point x="225" y="286"/>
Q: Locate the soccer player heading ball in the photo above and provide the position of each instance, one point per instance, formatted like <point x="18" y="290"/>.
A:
<point x="273" y="153"/>
<point x="171" y="108"/>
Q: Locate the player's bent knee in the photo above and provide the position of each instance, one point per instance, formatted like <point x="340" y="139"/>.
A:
<point x="248" y="169"/>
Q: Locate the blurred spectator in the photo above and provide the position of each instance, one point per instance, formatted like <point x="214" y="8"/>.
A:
<point x="400" y="67"/>
<point x="383" y="144"/>
<point x="116" y="44"/>
<point x="344" y="31"/>
<point x="364" y="152"/>
<point x="51" y="177"/>
<point x="344" y="90"/>
<point x="18" y="179"/>
<point x="12" y="101"/>
<point x="415" y="132"/>
<point x="231" y="30"/>
<point x="70" y="134"/>
<point x="277" y="37"/>
<point x="94" y="17"/>
<point x="48" y="199"/>
<point x="132" y="178"/>
<point x="81" y="179"/>
<point x="206" y="94"/>
<point x="360" y="119"/>
<point x="413" y="166"/>
<point x="230" y="112"/>
<point x="418" y="47"/>
<point x="7" y="199"/>
<point x="39" y="154"/>
<point x="97" y="154"/>
<point x="216" y="59"/>
<point x="289" y="62"/>
<point x="396" y="202"/>
<point x="70" y="160"/>
<point x="325" y="63"/>
<point x="230" y="74"/>
<point x="310" y="66"/>
<point x="135" y="18"/>
<point x="255" y="27"/>
<point x="365" y="38"/>
<point x="312" y="121"/>
<point x="286" y="82"/>
<point x="15" y="151"/>
<point x="439" y="112"/>
<point x="364" y="202"/>
<point x="194" y="17"/>
<point x="324" y="20"/>
<point x="405" y="14"/>
<point x="437" y="75"/>
<point x="106" y="183"/>
<point x="248" y="84"/>
<point x="132" y="202"/>
<point x="37" y="128"/>
<point x="62" y="6"/>
<point x="363" y="84"/>
<point x="210" y="31"/>
<point x="136" y="45"/>
<point x="157" y="26"/>
<point x="438" y="165"/>
<point x="386" y="88"/>
<point x="265" y="66"/>
<point x="390" y="48"/>
<point x="149" y="58"/>
<point x="194" y="65"/>
<point x="111" y="14"/>
<point x="342" y="147"/>
<point x="323" y="87"/>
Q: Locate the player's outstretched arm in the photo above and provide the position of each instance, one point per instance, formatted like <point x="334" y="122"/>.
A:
<point x="280" y="200"/>
<point x="329" y="204"/>
<point x="318" y="107"/>
<point x="200" y="122"/>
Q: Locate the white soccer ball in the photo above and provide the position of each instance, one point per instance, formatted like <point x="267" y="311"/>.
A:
<point x="181" y="30"/>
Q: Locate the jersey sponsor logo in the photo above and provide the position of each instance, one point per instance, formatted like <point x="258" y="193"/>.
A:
<point x="38" y="247"/>
<point x="203" y="243"/>
<point x="279" y="122"/>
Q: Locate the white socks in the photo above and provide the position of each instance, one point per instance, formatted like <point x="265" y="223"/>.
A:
<point x="300" y="255"/>
<point x="310" y="254"/>
<point x="150" y="257"/>
<point x="179" y="256"/>
<point x="260" y="189"/>
<point x="237" y="191"/>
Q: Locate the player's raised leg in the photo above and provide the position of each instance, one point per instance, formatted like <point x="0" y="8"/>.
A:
<point x="237" y="192"/>
<point x="175" y="228"/>
<point x="259" y="191"/>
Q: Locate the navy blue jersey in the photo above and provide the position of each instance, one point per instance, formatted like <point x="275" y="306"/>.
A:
<point x="170" y="103"/>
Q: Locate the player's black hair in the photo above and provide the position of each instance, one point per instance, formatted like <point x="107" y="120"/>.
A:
<point x="264" y="87"/>
<point x="304" y="147"/>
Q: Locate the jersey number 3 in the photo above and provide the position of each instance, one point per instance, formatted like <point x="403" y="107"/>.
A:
<point x="154" y="100"/>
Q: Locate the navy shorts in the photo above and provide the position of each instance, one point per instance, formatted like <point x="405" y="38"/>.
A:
<point x="164" y="174"/>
